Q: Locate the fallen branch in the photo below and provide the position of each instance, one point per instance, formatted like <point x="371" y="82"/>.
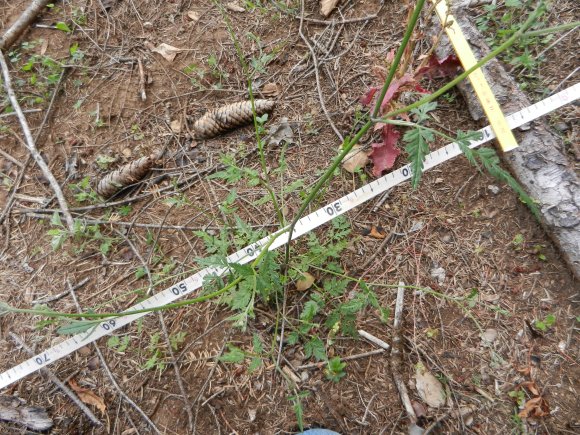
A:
<point x="22" y="23"/>
<point x="30" y="144"/>
<point x="66" y="390"/>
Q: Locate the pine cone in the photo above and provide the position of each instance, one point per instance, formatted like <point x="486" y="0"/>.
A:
<point x="125" y="176"/>
<point x="227" y="117"/>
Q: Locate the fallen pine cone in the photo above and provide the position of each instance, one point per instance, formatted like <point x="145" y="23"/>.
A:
<point x="227" y="117"/>
<point x="125" y="176"/>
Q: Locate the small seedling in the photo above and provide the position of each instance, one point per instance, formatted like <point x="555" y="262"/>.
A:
<point x="335" y="369"/>
<point x="547" y="323"/>
<point x="518" y="242"/>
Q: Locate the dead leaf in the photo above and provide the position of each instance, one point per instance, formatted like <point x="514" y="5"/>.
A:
<point x="327" y="6"/>
<point x="305" y="282"/>
<point x="193" y="16"/>
<point x="429" y="388"/>
<point x="384" y="154"/>
<point x="234" y="7"/>
<point x="43" y="47"/>
<point x="175" y="126"/>
<point x="377" y="233"/>
<point x="271" y="90"/>
<point x="167" y="51"/>
<point x="356" y="159"/>
<point x="281" y="132"/>
<point x="531" y="387"/>
<point x="535" y="408"/>
<point x="87" y="396"/>
<point x="439" y="68"/>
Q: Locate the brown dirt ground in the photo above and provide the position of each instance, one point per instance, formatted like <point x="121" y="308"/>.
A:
<point x="467" y="230"/>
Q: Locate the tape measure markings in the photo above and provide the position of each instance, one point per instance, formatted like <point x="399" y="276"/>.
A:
<point x="303" y="226"/>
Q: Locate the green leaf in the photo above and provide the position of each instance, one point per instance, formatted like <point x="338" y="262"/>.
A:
<point x="235" y="355"/>
<point x="55" y="220"/>
<point x="77" y="326"/>
<point x="255" y="364"/>
<point x="257" y="344"/>
<point x="315" y="348"/>
<point x="309" y="311"/>
<point x="422" y="112"/>
<point x="417" y="140"/>
<point x="550" y="320"/>
<point x="63" y="26"/>
<point x="464" y="139"/>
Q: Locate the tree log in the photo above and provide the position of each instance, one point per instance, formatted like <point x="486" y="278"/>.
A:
<point x="540" y="162"/>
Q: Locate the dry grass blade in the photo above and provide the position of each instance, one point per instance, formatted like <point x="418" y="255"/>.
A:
<point x="227" y="117"/>
<point x="125" y="176"/>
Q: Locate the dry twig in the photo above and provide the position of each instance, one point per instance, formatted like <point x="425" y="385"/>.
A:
<point x="22" y="23"/>
<point x="396" y="358"/>
<point x="66" y="390"/>
<point x="110" y="374"/>
<point x="30" y="144"/>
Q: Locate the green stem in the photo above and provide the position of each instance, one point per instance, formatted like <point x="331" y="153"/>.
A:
<point x="399" y="55"/>
<point x="348" y="144"/>
<point x="555" y="29"/>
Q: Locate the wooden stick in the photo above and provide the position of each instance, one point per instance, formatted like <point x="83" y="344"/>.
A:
<point x="22" y="23"/>
<point x="373" y="339"/>
<point x="30" y="144"/>
<point x="346" y="358"/>
<point x="397" y="358"/>
<point x="66" y="390"/>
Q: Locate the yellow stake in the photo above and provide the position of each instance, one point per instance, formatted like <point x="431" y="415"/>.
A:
<point x="497" y="120"/>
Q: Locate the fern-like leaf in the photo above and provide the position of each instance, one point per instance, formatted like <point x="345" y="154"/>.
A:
<point x="417" y="147"/>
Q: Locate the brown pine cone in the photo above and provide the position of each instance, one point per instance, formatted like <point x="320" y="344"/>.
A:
<point x="227" y="117"/>
<point x="125" y="176"/>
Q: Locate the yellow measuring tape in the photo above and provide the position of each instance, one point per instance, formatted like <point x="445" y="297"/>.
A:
<point x="497" y="120"/>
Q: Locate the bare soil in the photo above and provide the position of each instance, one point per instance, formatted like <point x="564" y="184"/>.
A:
<point x="459" y="220"/>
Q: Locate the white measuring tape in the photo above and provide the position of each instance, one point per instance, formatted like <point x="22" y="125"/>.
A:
<point x="304" y="225"/>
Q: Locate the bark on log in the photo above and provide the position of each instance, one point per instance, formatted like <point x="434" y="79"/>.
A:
<point x="22" y="23"/>
<point x="540" y="163"/>
<point x="14" y="410"/>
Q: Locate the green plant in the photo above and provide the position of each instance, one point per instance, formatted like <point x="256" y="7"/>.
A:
<point x="547" y="323"/>
<point x="83" y="192"/>
<point x="518" y="242"/>
<point x="335" y="369"/>
<point x="119" y="345"/>
<point x="298" y="408"/>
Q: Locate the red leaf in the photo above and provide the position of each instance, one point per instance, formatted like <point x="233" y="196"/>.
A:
<point x="368" y="97"/>
<point x="436" y="68"/>
<point x="394" y="88"/>
<point x="384" y="154"/>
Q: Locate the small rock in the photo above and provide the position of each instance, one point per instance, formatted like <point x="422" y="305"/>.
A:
<point x="148" y="24"/>
<point x="234" y="7"/>
<point x="561" y="127"/>
<point x="488" y="336"/>
<point x="438" y="273"/>
<point x="193" y="16"/>
<point x="493" y="189"/>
